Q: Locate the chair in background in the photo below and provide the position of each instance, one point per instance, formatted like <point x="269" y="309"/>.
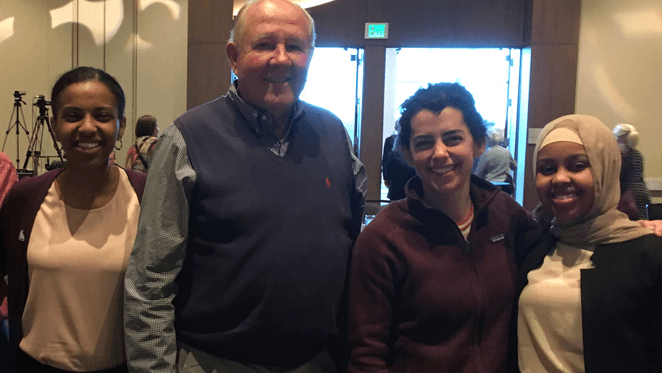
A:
<point x="507" y="187"/>
<point x="372" y="208"/>
<point x="654" y="211"/>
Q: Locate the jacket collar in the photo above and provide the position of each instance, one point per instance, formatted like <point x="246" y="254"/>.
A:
<point x="482" y="192"/>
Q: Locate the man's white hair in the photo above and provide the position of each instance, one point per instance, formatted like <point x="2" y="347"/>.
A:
<point x="237" y="32"/>
<point x="630" y="133"/>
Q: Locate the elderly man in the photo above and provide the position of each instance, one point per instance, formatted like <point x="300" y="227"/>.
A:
<point x="252" y="204"/>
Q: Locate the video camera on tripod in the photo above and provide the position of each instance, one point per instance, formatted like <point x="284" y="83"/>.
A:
<point x="41" y="102"/>
<point x="17" y="112"/>
<point x="35" y="147"/>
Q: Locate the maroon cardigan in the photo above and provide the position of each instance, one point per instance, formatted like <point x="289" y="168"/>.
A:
<point x="16" y="219"/>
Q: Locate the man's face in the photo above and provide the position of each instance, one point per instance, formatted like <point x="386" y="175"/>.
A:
<point x="272" y="58"/>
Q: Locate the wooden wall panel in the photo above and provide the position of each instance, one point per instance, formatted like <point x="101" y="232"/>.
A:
<point x="211" y="21"/>
<point x="551" y="95"/>
<point x="553" y="81"/>
<point x="555" y="22"/>
<point x="423" y="23"/>
<point x="433" y="23"/>
<point x="208" y="72"/>
<point x="554" y="51"/>
<point x="339" y="23"/>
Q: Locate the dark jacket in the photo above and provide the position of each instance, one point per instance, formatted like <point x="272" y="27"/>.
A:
<point x="395" y="170"/>
<point x="422" y="299"/>
<point x="16" y="219"/>
<point x="621" y="305"/>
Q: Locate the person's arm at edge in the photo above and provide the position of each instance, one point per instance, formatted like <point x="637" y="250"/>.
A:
<point x="157" y="257"/>
<point x="3" y="268"/>
<point x="360" y="191"/>
<point x="9" y="178"/>
<point x="657" y="322"/>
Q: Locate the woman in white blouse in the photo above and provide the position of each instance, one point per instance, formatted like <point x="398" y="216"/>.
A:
<point x="593" y="303"/>
<point x="67" y="235"/>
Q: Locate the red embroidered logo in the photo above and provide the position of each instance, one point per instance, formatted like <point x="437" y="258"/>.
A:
<point x="328" y="183"/>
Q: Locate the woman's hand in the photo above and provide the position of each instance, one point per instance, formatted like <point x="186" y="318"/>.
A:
<point x="655" y="225"/>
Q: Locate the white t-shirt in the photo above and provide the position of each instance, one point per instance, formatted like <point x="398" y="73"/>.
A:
<point x="76" y="265"/>
<point x="549" y="325"/>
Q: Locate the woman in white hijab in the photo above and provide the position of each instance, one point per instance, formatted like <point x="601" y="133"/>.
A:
<point x="594" y="302"/>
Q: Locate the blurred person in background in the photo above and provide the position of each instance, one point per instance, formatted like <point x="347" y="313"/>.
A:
<point x="496" y="164"/>
<point x="140" y="153"/>
<point x="395" y="169"/>
<point x="632" y="170"/>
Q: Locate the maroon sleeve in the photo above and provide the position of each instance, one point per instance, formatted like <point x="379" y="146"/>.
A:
<point x="137" y="180"/>
<point x="372" y="293"/>
<point x="8" y="176"/>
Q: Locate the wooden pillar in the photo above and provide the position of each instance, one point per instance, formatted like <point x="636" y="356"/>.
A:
<point x="554" y="50"/>
<point x="372" y="116"/>
<point x="208" y="71"/>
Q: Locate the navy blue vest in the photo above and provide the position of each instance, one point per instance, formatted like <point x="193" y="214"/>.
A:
<point x="268" y="239"/>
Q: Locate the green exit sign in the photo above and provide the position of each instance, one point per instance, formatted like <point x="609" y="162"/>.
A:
<point x="376" y="30"/>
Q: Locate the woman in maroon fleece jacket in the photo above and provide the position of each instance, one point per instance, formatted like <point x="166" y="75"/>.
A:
<point x="433" y="275"/>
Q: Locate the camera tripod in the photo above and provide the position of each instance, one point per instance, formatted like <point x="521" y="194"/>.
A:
<point x="18" y="109"/>
<point x="36" y="142"/>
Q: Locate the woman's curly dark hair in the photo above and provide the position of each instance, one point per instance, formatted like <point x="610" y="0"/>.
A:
<point x="436" y="97"/>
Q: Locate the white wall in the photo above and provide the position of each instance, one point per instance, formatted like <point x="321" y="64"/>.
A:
<point x="619" y="77"/>
<point x="142" y="43"/>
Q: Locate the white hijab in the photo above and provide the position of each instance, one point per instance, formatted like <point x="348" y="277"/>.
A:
<point x="603" y="223"/>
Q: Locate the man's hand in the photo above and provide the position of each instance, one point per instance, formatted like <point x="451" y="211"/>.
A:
<point x="655" y="225"/>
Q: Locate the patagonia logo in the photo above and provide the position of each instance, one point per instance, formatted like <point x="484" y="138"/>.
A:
<point x="497" y="238"/>
<point x="21" y="236"/>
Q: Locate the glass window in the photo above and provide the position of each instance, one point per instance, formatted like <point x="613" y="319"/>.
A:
<point x="490" y="74"/>
<point x="333" y="83"/>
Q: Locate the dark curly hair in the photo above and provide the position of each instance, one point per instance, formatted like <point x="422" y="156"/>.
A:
<point x="436" y="97"/>
<point x="85" y="74"/>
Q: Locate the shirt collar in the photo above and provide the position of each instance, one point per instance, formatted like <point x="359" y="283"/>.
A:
<point x="261" y="121"/>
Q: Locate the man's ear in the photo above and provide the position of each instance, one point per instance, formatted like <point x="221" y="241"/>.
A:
<point x="232" y="51"/>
